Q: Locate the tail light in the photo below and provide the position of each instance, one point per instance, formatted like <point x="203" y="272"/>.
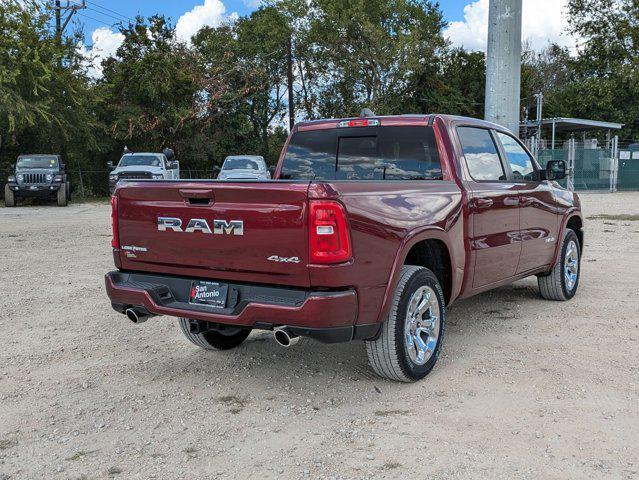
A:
<point x="329" y="237"/>
<point x="358" y="123"/>
<point x="115" y="242"/>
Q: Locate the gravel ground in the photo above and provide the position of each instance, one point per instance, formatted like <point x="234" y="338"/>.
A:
<point x="525" y="388"/>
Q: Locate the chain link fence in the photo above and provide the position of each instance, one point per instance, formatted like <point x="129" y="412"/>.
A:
<point x="589" y="169"/>
<point x="596" y="169"/>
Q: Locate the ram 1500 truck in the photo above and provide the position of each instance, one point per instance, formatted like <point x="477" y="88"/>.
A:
<point x="370" y="228"/>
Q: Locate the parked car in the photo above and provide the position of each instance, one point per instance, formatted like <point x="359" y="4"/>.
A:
<point x="244" y="167"/>
<point x="144" y="166"/>
<point x="38" y="175"/>
<point x="372" y="228"/>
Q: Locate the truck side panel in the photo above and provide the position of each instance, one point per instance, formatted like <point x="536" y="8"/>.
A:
<point x="385" y="217"/>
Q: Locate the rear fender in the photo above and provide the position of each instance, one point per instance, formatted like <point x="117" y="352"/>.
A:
<point x="430" y="233"/>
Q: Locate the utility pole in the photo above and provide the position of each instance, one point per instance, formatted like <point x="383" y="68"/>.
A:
<point x="540" y="105"/>
<point x="69" y="8"/>
<point x="503" y="63"/>
<point x="58" y="28"/>
<point x="289" y="74"/>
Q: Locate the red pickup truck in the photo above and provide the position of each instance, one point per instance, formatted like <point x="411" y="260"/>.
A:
<point x="371" y="226"/>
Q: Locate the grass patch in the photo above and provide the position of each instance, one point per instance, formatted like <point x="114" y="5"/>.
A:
<point x="391" y="413"/>
<point x="80" y="454"/>
<point x="621" y="217"/>
<point x="236" y="403"/>
<point x="114" y="471"/>
<point x="391" y="465"/>
<point x="7" y="443"/>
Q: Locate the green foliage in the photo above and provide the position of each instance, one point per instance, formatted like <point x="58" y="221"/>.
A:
<point x="607" y="68"/>
<point x="362" y="52"/>
<point x="44" y="105"/>
<point x="225" y="92"/>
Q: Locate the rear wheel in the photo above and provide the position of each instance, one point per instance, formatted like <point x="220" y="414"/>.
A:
<point x="214" y="339"/>
<point x="9" y="197"/>
<point x="62" y="196"/>
<point x="562" y="281"/>
<point x="411" y="338"/>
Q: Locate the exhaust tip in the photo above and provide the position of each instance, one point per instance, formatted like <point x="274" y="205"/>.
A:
<point x="285" y="338"/>
<point x="136" y="316"/>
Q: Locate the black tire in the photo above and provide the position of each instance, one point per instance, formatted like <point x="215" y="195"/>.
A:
<point x="389" y="353"/>
<point x="62" y="196"/>
<point x="555" y="285"/>
<point x="9" y="197"/>
<point x="213" y="340"/>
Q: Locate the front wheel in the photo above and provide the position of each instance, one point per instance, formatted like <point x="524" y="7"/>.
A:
<point x="9" y="197"/>
<point x="62" y="196"/>
<point x="411" y="338"/>
<point x="213" y="339"/>
<point x="562" y="281"/>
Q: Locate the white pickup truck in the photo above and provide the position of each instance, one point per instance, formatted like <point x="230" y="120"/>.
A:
<point x="144" y="165"/>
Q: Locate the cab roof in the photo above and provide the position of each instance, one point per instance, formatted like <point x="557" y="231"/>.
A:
<point x="396" y="120"/>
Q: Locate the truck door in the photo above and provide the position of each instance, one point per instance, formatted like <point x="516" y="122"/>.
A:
<point x="493" y="207"/>
<point x="539" y="219"/>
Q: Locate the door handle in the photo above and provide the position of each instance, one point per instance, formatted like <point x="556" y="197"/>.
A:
<point x="197" y="196"/>
<point x="483" y="203"/>
<point x="526" y="201"/>
<point x="197" y="193"/>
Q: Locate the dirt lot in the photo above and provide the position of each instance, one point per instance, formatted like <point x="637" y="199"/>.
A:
<point x="525" y="388"/>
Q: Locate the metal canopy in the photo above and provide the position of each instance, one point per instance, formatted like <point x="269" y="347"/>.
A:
<point x="562" y="124"/>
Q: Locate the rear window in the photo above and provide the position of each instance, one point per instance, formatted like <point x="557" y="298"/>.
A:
<point x="366" y="153"/>
<point x="240" y="164"/>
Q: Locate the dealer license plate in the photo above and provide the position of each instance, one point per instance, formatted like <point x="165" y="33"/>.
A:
<point x="208" y="293"/>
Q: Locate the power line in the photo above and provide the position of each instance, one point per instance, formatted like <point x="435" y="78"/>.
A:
<point x="109" y="10"/>
<point x="119" y="19"/>
<point x="96" y="20"/>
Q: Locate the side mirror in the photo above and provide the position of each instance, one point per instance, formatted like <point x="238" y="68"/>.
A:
<point x="110" y="165"/>
<point x="63" y="167"/>
<point x="172" y="165"/>
<point x="556" y="170"/>
<point x="168" y="153"/>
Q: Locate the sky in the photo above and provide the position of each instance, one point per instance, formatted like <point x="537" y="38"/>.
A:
<point x="544" y="21"/>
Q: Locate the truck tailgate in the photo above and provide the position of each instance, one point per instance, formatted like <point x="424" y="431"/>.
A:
<point x="235" y="228"/>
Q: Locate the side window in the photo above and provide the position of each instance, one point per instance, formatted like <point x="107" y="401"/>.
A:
<point x="519" y="160"/>
<point x="481" y="154"/>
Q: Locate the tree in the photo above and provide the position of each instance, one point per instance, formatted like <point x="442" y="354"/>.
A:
<point x="360" y="53"/>
<point x="42" y="105"/>
<point x="606" y="71"/>
<point x="152" y="87"/>
<point x="251" y="56"/>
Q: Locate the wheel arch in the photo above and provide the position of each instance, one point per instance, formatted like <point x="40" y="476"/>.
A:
<point x="433" y="254"/>
<point x="432" y="249"/>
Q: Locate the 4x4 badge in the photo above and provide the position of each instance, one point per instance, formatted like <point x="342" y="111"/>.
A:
<point x="278" y="259"/>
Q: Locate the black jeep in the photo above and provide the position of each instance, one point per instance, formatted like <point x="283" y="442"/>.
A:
<point x="42" y="176"/>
